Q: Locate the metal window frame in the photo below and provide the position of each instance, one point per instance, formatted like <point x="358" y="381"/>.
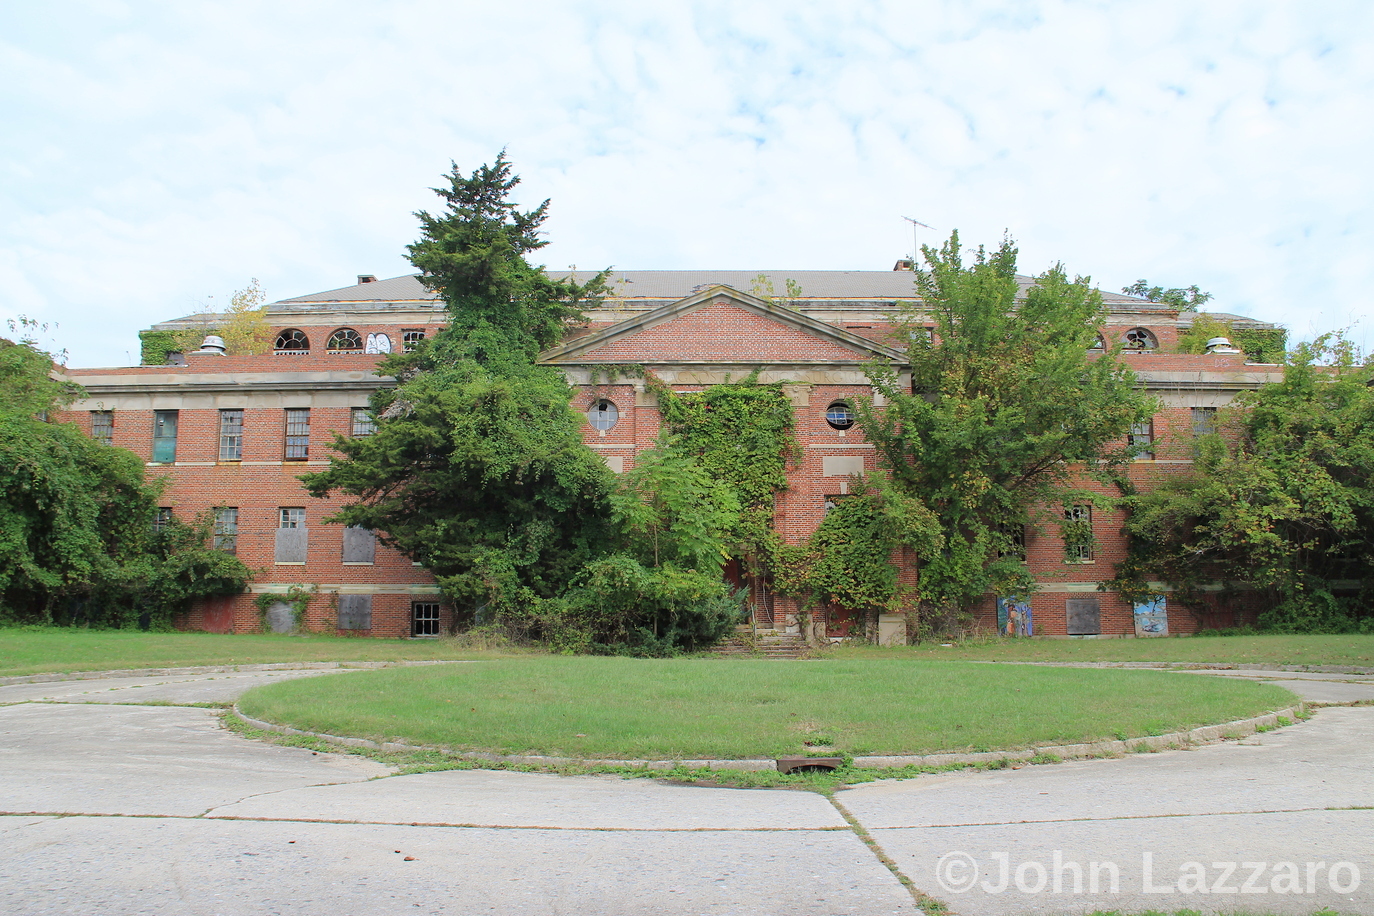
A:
<point x="226" y="530"/>
<point x="291" y="517"/>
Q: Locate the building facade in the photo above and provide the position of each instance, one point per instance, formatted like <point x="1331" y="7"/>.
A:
<point x="231" y="434"/>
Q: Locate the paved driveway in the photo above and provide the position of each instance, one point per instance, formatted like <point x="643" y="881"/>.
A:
<point x="143" y="809"/>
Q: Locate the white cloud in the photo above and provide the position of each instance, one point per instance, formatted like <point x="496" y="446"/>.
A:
<point x="160" y="153"/>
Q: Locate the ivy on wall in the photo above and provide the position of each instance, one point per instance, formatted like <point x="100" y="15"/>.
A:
<point x="1261" y="345"/>
<point x="742" y="434"/>
<point x="847" y="561"/>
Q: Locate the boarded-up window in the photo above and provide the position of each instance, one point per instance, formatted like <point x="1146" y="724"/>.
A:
<point x="291" y="545"/>
<point x="355" y="612"/>
<point x="1084" y="616"/>
<point x="359" y="545"/>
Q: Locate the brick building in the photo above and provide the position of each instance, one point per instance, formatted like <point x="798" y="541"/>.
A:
<point x="232" y="433"/>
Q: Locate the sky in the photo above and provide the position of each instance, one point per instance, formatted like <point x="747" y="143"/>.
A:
<point x="156" y="155"/>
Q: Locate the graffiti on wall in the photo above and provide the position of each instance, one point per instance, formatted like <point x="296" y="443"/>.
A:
<point x="1152" y="617"/>
<point x="1014" y="617"/>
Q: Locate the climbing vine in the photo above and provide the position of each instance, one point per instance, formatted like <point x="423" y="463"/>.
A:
<point x="297" y="598"/>
<point x="846" y="562"/>
<point x="741" y="434"/>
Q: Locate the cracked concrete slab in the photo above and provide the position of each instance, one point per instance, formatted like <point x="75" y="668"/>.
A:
<point x="147" y="760"/>
<point x="1323" y="762"/>
<point x="116" y="866"/>
<point x="487" y="797"/>
<point x="224" y="687"/>
<point x="1134" y="865"/>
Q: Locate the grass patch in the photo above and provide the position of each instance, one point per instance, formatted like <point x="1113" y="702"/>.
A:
<point x="26" y="650"/>
<point x="729" y="709"/>
<point x="1356" y="650"/>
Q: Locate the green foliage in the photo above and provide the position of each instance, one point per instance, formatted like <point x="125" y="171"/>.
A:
<point x="1261" y="345"/>
<point x="741" y="435"/>
<point x="156" y="345"/>
<point x="621" y="606"/>
<point x="1185" y="300"/>
<point x="1005" y="408"/>
<point x="848" y="560"/>
<point x="477" y="468"/>
<point x="243" y="327"/>
<point x="298" y="597"/>
<point x="77" y="543"/>
<point x="1287" y="508"/>
<point x="673" y="512"/>
<point x="473" y="255"/>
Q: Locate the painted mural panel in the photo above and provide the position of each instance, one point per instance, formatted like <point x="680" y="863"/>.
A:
<point x="1152" y="617"/>
<point x="1014" y="617"/>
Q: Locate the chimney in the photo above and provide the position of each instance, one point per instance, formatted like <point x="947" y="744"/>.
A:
<point x="366" y="278"/>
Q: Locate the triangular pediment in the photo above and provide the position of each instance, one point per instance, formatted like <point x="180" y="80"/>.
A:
<point x="720" y="326"/>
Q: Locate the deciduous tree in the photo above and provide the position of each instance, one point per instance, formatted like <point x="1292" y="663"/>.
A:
<point x="1006" y="412"/>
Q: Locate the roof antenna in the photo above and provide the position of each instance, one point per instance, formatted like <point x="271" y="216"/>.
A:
<point x="915" y="245"/>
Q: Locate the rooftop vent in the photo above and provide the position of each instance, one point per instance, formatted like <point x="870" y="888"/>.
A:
<point x="212" y="345"/>
<point x="1221" y="345"/>
<point x="366" y="278"/>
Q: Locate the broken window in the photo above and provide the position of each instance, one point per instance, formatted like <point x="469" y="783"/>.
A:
<point x="292" y="341"/>
<point x="102" y="426"/>
<point x="165" y="436"/>
<point x="297" y="434"/>
<point x="424" y="616"/>
<point x="1078" y="533"/>
<point x="603" y="415"/>
<point x="839" y="415"/>
<point x="344" y="340"/>
<point x="364" y="424"/>
<point x="226" y="529"/>
<point x="1142" y="439"/>
<point x="230" y="435"/>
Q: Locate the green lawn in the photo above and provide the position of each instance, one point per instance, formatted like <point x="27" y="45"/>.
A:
<point x="692" y="708"/>
<point x="1356" y="650"/>
<point x="39" y="651"/>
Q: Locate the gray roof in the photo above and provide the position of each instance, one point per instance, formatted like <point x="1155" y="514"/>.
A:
<point x="671" y="285"/>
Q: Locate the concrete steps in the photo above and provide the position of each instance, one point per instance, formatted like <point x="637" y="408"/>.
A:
<point x="766" y="644"/>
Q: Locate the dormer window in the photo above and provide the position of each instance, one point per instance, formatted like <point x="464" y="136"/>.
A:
<point x="1140" y="340"/>
<point x="292" y="341"/>
<point x="344" y="340"/>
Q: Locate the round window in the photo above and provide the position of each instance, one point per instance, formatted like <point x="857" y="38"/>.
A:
<point x="839" y="415"/>
<point x="603" y="415"/>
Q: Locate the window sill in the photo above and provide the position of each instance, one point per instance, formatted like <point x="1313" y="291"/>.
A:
<point x="289" y="563"/>
<point x="357" y="563"/>
<point x="1080" y="562"/>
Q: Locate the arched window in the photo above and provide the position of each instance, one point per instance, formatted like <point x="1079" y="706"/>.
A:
<point x="1140" y="340"/>
<point x="292" y="341"/>
<point x="378" y="343"/>
<point x="839" y="415"/>
<point x="603" y="415"/>
<point x="1099" y="343"/>
<point x="344" y="340"/>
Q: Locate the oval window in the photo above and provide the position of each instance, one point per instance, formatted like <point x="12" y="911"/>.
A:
<point x="839" y="415"/>
<point x="603" y="415"/>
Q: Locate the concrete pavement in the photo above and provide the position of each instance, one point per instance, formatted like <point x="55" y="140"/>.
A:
<point x="132" y="809"/>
